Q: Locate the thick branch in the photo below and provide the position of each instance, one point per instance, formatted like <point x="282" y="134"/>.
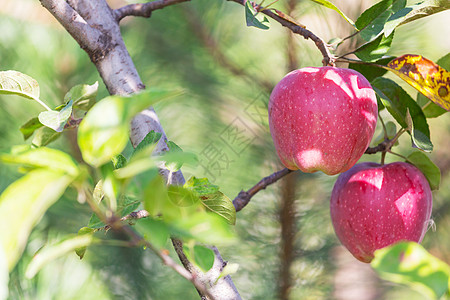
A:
<point x="143" y="9"/>
<point x="328" y="59"/>
<point x="120" y="76"/>
<point x="243" y="198"/>
<point x="381" y="147"/>
<point x="87" y="37"/>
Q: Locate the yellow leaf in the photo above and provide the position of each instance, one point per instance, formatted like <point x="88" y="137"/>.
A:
<point x="425" y="76"/>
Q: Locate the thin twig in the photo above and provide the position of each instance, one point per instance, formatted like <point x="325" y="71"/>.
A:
<point x="386" y="145"/>
<point x="135" y="215"/>
<point x="328" y="58"/>
<point x="243" y="198"/>
<point x="143" y="9"/>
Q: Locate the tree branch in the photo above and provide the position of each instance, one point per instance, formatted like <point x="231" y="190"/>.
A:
<point x="143" y="9"/>
<point x="243" y="198"/>
<point x="328" y="58"/>
<point x="104" y="44"/>
<point x="87" y="37"/>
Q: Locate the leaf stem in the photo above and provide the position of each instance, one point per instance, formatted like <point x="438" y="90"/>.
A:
<point x="40" y="102"/>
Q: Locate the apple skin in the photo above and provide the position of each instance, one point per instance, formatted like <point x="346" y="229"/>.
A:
<point x="373" y="206"/>
<point x="322" y="119"/>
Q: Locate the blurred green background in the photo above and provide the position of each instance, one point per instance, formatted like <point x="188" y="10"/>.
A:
<point x="286" y="248"/>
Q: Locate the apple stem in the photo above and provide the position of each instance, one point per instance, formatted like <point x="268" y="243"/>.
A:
<point x="383" y="156"/>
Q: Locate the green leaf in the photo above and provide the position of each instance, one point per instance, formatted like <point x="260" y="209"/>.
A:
<point x="119" y="161"/>
<point x="103" y="133"/>
<point x="414" y="12"/>
<point x="182" y="197"/>
<point x="44" y="136"/>
<point x="30" y="127"/>
<point x="127" y="205"/>
<point x="43" y="157"/>
<point x="410" y="264"/>
<point x="56" y="120"/>
<point x="371" y="22"/>
<point x="371" y="71"/>
<point x="82" y="95"/>
<point x="16" y="83"/>
<point x="173" y="166"/>
<point x="253" y="19"/>
<point x="376" y="49"/>
<point x="155" y="196"/>
<point x="81" y="251"/>
<point x="140" y="162"/>
<point x="221" y="205"/>
<point x="201" y="186"/>
<point x="50" y="253"/>
<point x="202" y="256"/>
<point x="156" y="232"/>
<point x="398" y="102"/>
<point x="204" y="228"/>
<point x="95" y="222"/>
<point x="427" y="167"/>
<point x="175" y="157"/>
<point x="433" y="110"/>
<point x="22" y="205"/>
<point x="214" y="200"/>
<point x="151" y="138"/>
<point x="330" y="5"/>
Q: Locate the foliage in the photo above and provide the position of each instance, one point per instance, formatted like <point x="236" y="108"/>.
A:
<point x="119" y="180"/>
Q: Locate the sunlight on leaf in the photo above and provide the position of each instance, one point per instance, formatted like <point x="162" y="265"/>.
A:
<point x="425" y="76"/>
<point x="52" y="252"/>
<point x="56" y="120"/>
<point x="330" y="5"/>
<point x="104" y="131"/>
<point x="22" y="205"/>
<point x="16" y="83"/>
<point x="43" y="157"/>
<point x="214" y="200"/>
<point x="82" y="95"/>
<point x="410" y="264"/>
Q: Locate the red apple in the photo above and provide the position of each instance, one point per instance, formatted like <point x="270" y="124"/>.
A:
<point x="322" y="119"/>
<point x="374" y="206"/>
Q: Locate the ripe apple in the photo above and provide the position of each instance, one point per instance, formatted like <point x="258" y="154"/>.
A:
<point x="374" y="206"/>
<point x="322" y="119"/>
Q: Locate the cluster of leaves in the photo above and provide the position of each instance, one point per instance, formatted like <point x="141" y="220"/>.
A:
<point x="196" y="212"/>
